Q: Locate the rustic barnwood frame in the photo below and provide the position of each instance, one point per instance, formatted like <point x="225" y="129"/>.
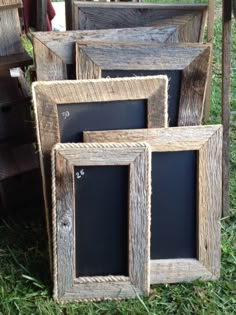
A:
<point x="190" y="19"/>
<point x="54" y="51"/>
<point x="64" y="158"/>
<point x="192" y="59"/>
<point x="207" y="140"/>
<point x="47" y="95"/>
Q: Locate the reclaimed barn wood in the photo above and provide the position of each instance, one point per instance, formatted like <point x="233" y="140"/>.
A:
<point x="67" y="160"/>
<point x="10" y="28"/>
<point x="225" y="110"/>
<point x="55" y="51"/>
<point x="190" y="61"/>
<point x="202" y="260"/>
<point x="64" y="109"/>
<point x="69" y="8"/>
<point x="190" y="19"/>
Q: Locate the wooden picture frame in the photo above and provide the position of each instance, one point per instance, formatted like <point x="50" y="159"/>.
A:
<point x="206" y="141"/>
<point x="49" y="97"/>
<point x="190" y="19"/>
<point x="68" y="286"/>
<point x="54" y="53"/>
<point x="187" y="63"/>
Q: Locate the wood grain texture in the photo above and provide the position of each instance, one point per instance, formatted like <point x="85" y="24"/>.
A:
<point x="46" y="96"/>
<point x="48" y="65"/>
<point x="117" y="56"/>
<point x="210" y="35"/>
<point x="178" y="270"/>
<point x="210" y="203"/>
<point x="119" y="15"/>
<point x="225" y="101"/>
<point x="193" y="90"/>
<point x="10" y="32"/>
<point x="207" y="140"/>
<point x="167" y="139"/>
<point x="64" y="158"/>
<point x="94" y="58"/>
<point x="54" y="50"/>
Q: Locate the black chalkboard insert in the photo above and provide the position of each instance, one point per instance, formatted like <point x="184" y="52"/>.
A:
<point x="101" y="220"/>
<point x="174" y="77"/>
<point x="173" y="225"/>
<point x="112" y="115"/>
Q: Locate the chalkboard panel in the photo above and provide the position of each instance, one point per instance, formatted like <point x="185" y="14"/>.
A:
<point x="173" y="227"/>
<point x="174" y="77"/>
<point x="101" y="216"/>
<point x="73" y="120"/>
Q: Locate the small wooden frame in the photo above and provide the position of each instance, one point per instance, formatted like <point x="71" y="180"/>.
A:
<point x="188" y="18"/>
<point x="60" y="108"/>
<point x="68" y="284"/>
<point x="187" y="66"/>
<point x="55" y="51"/>
<point x="200" y="258"/>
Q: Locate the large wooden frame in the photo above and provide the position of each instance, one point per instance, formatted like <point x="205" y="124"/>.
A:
<point x="46" y="96"/>
<point x="192" y="59"/>
<point x="66" y="286"/>
<point x="207" y="140"/>
<point x="55" y="51"/>
<point x="190" y="19"/>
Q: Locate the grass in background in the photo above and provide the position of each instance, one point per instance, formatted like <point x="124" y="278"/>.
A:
<point x="25" y="285"/>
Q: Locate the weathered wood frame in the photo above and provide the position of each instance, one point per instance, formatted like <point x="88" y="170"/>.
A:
<point x="138" y="158"/>
<point x="207" y="140"/>
<point x="53" y="51"/>
<point x="183" y="16"/>
<point x="192" y="59"/>
<point x="47" y="95"/>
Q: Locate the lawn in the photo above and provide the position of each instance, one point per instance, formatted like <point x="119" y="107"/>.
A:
<point x="25" y="284"/>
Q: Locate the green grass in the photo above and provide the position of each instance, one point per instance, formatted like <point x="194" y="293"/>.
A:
<point x="25" y="285"/>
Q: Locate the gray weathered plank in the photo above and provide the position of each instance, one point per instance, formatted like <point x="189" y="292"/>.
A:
<point x="189" y="18"/>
